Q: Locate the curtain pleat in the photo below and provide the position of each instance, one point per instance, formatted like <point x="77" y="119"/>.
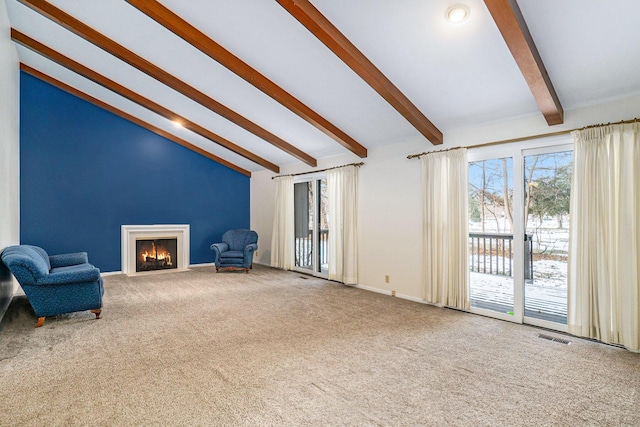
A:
<point x="342" y="193"/>
<point x="282" y="238"/>
<point x="604" y="242"/>
<point x="445" y="228"/>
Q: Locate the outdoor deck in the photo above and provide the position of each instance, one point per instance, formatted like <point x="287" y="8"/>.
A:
<point x="541" y="302"/>
<point x="491" y="264"/>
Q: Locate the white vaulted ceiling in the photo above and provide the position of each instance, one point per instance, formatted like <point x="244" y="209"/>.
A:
<point x="457" y="75"/>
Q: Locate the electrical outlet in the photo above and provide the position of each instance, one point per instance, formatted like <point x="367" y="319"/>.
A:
<point x="386" y="279"/>
<point x="393" y="293"/>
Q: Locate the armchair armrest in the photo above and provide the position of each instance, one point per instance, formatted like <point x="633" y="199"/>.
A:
<point x="248" y="254"/>
<point x="251" y="247"/>
<point x="217" y="249"/>
<point x="220" y="247"/>
<point x="90" y="274"/>
<point x="65" y="260"/>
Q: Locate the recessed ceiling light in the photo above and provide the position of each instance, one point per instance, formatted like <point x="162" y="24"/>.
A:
<point x="457" y="13"/>
<point x="177" y="123"/>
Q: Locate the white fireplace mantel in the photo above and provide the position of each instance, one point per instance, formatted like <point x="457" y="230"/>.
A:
<point x="131" y="233"/>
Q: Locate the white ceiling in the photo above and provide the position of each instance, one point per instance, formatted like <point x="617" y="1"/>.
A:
<point x="457" y="75"/>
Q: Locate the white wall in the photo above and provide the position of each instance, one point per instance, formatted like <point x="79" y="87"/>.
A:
<point x="390" y="214"/>
<point x="613" y="110"/>
<point x="9" y="152"/>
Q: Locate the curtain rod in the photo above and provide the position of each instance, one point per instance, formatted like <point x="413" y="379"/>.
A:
<point x="319" y="170"/>
<point x="411" y="156"/>
<point x="526" y="138"/>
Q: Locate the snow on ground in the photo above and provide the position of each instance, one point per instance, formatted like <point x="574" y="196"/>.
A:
<point x="501" y="288"/>
<point x="549" y="274"/>
<point x="547" y="293"/>
<point x="550" y="247"/>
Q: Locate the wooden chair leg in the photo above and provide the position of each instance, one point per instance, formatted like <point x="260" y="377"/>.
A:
<point x="97" y="312"/>
<point x="40" y="322"/>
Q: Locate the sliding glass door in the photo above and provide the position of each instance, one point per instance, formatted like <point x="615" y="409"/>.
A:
<point x="518" y="233"/>
<point x="491" y="235"/>
<point x="304" y="224"/>
<point x="311" y="226"/>
<point x="547" y="183"/>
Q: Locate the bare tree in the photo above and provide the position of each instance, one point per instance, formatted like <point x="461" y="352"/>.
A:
<point x="508" y="209"/>
<point x="529" y="189"/>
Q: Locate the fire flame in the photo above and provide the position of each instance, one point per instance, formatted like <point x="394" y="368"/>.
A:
<point x="160" y="253"/>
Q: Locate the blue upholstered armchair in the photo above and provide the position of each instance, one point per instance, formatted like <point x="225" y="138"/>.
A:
<point x="236" y="250"/>
<point x="55" y="284"/>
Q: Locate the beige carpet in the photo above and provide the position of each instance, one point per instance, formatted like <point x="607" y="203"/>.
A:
<point x="271" y="348"/>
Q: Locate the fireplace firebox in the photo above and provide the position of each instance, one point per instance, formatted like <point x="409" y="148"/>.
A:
<point x="156" y="254"/>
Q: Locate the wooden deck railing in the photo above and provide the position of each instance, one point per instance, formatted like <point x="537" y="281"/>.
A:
<point x="304" y="249"/>
<point x="492" y="253"/>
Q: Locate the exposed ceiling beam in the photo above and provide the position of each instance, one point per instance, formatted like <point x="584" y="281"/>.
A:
<point x="328" y="34"/>
<point x="201" y="41"/>
<point x="129" y="117"/>
<point x="77" y="27"/>
<point x="78" y="68"/>
<point x="511" y="23"/>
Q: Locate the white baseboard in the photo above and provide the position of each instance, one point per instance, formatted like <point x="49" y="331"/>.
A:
<point x="371" y="289"/>
<point x="110" y="273"/>
<point x="386" y="292"/>
<point x="363" y="287"/>
<point x="205" y="264"/>
<point x="262" y="263"/>
<point x="113" y="273"/>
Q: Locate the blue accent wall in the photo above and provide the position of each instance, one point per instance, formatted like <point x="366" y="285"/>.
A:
<point x="84" y="172"/>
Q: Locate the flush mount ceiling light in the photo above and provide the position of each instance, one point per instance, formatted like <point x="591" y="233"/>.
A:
<point x="457" y="13"/>
<point x="177" y="123"/>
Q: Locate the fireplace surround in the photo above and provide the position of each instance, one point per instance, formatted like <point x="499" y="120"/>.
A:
<point x="150" y="238"/>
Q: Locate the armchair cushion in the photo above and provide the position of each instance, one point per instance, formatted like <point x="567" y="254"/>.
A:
<point x="232" y="254"/>
<point x="66" y="260"/>
<point x="71" y="275"/>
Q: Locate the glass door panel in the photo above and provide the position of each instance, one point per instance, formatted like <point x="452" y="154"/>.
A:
<point x="546" y="215"/>
<point x="304" y="221"/>
<point x="311" y="226"/>
<point x="323" y="227"/>
<point x="491" y="246"/>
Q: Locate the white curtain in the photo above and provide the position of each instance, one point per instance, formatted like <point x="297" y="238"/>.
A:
<point x="342" y="193"/>
<point x="282" y="238"/>
<point x="445" y="228"/>
<point x="604" y="251"/>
